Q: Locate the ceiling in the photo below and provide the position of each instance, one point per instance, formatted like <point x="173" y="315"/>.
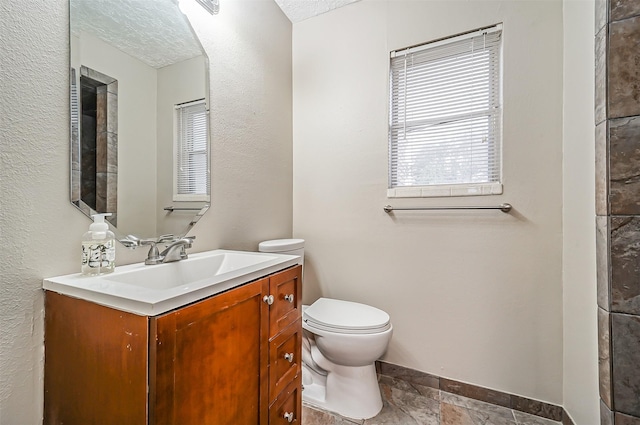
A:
<point x="299" y="10"/>
<point x="155" y="32"/>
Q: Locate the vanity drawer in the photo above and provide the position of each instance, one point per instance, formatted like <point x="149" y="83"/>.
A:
<point x="287" y="409"/>
<point x="286" y="289"/>
<point x="284" y="359"/>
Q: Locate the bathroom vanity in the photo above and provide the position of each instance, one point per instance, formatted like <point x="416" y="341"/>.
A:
<point x="233" y="357"/>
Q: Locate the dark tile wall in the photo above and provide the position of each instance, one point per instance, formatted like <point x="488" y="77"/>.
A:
<point x="617" y="138"/>
<point x="623" y="67"/>
<point x="625" y="344"/>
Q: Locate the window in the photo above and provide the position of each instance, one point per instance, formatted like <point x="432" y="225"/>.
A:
<point x="445" y="117"/>
<point x="191" y="176"/>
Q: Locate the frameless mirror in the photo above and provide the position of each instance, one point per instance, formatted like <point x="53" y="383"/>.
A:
<point x="139" y="116"/>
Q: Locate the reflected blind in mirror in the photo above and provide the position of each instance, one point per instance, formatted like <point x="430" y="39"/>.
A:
<point x="445" y="111"/>
<point x="192" y="154"/>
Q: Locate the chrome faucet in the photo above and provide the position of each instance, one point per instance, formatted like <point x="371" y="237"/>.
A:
<point x="174" y="252"/>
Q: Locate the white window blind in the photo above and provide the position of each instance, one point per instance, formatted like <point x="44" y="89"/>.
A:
<point x="445" y="112"/>
<point x="191" y="182"/>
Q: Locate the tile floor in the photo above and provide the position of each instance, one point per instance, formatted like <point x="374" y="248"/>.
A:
<point x="411" y="404"/>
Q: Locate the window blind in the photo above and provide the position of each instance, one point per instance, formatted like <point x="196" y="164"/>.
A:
<point x="192" y="153"/>
<point x="445" y="112"/>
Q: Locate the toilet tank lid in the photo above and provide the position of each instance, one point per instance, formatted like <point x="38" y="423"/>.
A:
<point x="280" y="245"/>
<point x="339" y="314"/>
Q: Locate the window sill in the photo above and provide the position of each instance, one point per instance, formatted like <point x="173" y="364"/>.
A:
<point x="190" y="198"/>
<point x="446" y="191"/>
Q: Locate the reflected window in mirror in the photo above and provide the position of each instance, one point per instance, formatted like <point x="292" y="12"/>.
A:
<point x="191" y="169"/>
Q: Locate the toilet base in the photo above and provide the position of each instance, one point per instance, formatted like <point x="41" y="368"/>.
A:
<point x="350" y="391"/>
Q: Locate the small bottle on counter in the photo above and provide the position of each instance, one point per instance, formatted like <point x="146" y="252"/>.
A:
<point x="98" y="248"/>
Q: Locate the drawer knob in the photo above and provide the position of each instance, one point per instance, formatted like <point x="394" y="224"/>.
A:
<point x="268" y="299"/>
<point x="289" y="298"/>
<point x="288" y="416"/>
<point x="288" y="357"/>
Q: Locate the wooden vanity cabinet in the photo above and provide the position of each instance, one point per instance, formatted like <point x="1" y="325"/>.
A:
<point x="285" y="347"/>
<point x="233" y="358"/>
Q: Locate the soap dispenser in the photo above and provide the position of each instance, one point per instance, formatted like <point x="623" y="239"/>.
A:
<point x="98" y="248"/>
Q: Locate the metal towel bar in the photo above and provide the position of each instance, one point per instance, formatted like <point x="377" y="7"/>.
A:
<point x="181" y="209"/>
<point x="505" y="208"/>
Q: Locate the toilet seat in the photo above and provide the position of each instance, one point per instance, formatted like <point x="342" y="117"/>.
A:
<point x="346" y="317"/>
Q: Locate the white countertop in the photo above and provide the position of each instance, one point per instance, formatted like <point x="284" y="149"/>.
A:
<point x="153" y="290"/>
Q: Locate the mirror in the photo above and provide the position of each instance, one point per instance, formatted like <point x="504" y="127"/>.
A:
<point x="139" y="116"/>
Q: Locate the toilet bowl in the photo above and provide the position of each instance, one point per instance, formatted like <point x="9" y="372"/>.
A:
<point x="341" y="342"/>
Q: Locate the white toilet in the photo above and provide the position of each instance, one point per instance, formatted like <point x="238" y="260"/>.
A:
<point x="341" y="342"/>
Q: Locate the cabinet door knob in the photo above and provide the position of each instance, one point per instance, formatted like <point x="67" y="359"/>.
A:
<point x="268" y="299"/>
<point x="289" y="298"/>
<point x="288" y="357"/>
<point x="288" y="416"/>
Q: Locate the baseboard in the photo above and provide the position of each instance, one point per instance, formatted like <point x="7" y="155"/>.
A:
<point x="511" y="401"/>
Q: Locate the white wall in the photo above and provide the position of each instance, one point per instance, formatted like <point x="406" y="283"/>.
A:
<point x="473" y="296"/>
<point x="178" y="83"/>
<point x="579" y="257"/>
<point x="145" y="131"/>
<point x="40" y="231"/>
<point x="137" y="97"/>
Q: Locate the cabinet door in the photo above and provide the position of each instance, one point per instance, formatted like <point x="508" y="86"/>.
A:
<point x="95" y="368"/>
<point x="286" y="288"/>
<point x="210" y="361"/>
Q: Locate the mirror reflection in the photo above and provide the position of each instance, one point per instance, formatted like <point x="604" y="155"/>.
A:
<point x="139" y="116"/>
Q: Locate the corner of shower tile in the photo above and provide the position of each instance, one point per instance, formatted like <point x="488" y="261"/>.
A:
<point x="601" y="14"/>
<point x="602" y="169"/>
<point x="606" y="415"/>
<point x="603" y="275"/>
<point x="600" y="95"/>
<point x="604" y="357"/>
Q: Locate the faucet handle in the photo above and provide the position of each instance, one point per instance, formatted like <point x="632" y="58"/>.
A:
<point x="153" y="257"/>
<point x="130" y="241"/>
<point x="166" y="238"/>
<point x="186" y="242"/>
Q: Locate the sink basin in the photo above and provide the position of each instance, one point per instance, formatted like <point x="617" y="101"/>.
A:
<point x="190" y="271"/>
<point x="153" y="290"/>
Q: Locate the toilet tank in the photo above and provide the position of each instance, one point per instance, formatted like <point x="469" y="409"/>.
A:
<point x="284" y="246"/>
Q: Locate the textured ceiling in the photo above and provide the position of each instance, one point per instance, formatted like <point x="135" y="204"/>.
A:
<point x="156" y="32"/>
<point x="299" y="10"/>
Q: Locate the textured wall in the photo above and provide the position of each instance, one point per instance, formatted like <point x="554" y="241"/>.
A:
<point x="249" y="49"/>
<point x="40" y="230"/>
<point x="474" y="296"/>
